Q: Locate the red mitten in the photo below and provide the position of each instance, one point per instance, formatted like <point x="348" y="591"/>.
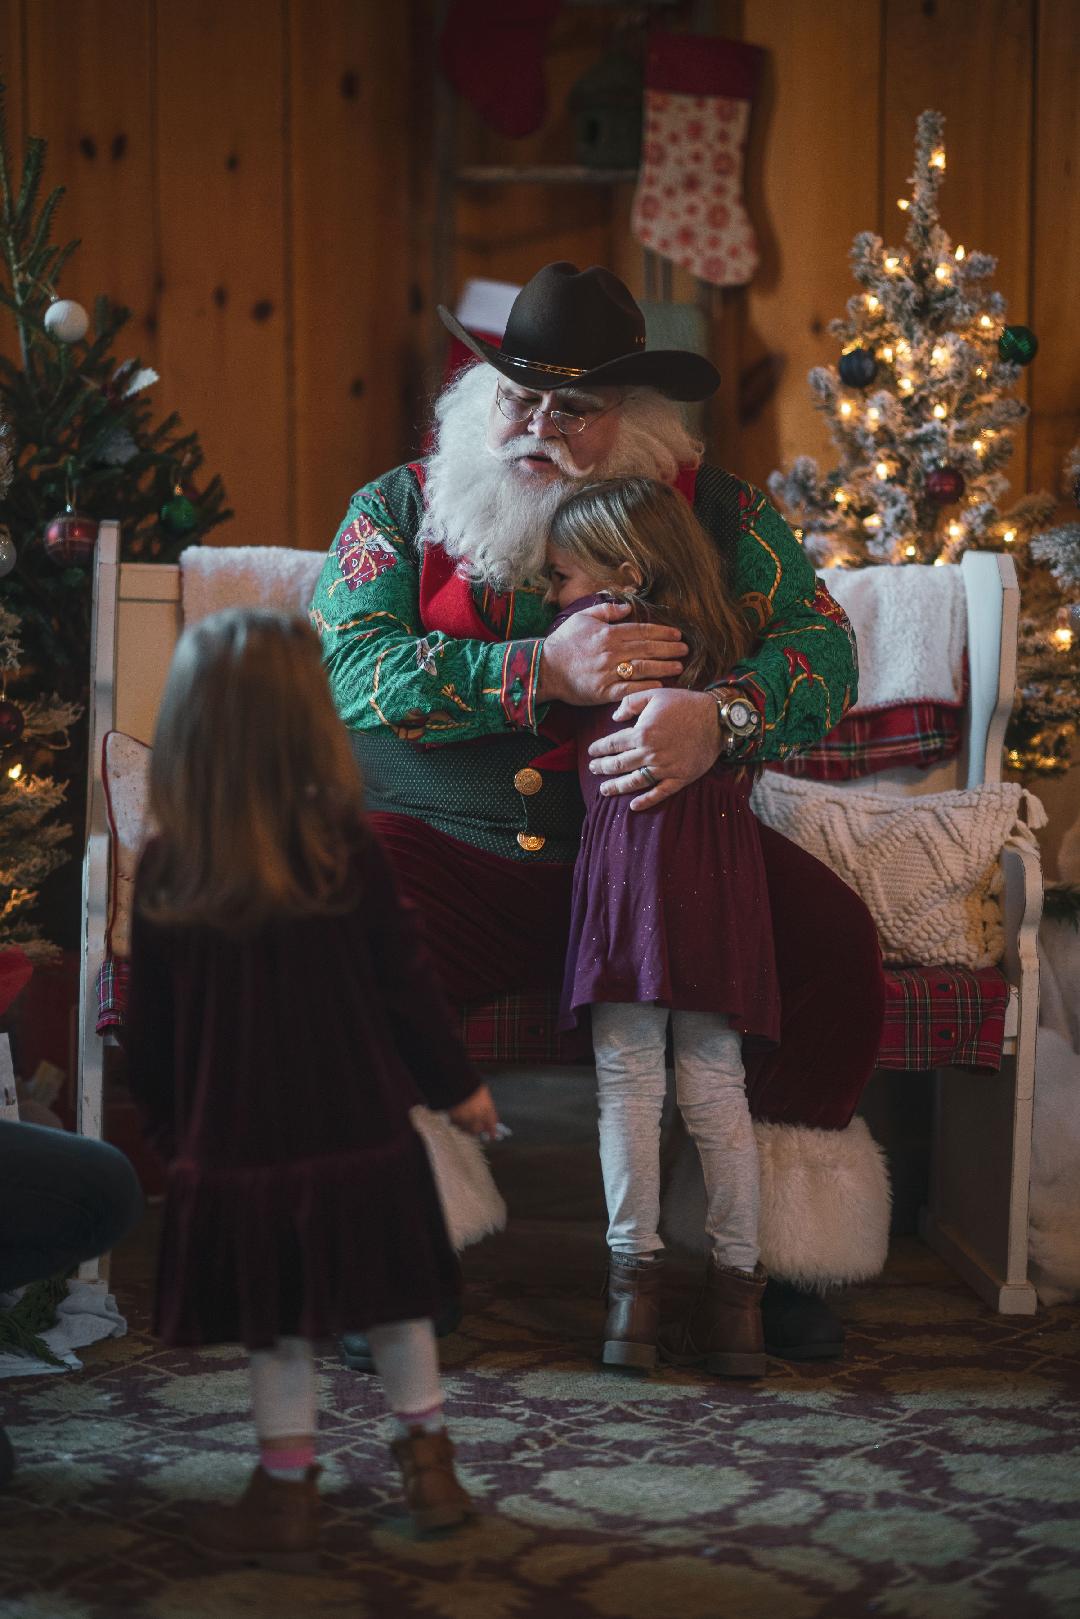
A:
<point x="492" y="52"/>
<point x="689" y="205"/>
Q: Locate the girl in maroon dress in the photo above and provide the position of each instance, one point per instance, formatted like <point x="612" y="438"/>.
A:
<point x="670" y="924"/>
<point x="283" y="1021"/>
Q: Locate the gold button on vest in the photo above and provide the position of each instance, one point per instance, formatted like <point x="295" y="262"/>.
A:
<point x="528" y="781"/>
<point x="531" y="842"/>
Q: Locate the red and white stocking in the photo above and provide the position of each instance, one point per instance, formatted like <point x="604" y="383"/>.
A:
<point x="689" y="203"/>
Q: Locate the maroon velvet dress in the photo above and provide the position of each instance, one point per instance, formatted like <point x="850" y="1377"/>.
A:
<point x="276" y="1069"/>
<point x="670" y="905"/>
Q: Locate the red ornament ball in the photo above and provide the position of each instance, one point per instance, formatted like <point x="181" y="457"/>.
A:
<point x="70" y="539"/>
<point x="12" y="722"/>
<point x="944" y="485"/>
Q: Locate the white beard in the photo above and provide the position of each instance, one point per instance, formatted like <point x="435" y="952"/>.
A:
<point x="483" y="512"/>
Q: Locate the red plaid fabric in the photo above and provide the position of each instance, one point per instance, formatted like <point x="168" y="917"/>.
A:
<point x="112" y="992"/>
<point x="909" y="734"/>
<point x="934" y="1017"/>
<point x="937" y="1017"/>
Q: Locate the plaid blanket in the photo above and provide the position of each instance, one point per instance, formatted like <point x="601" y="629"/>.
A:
<point x="909" y="734"/>
<point x="934" y="1017"/>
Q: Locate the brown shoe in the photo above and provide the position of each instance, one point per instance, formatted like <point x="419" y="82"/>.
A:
<point x="724" y="1333"/>
<point x="275" y="1524"/>
<point x="633" y="1317"/>
<point x="432" y="1493"/>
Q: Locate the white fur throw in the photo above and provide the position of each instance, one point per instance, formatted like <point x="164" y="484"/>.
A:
<point x="213" y="577"/>
<point x="471" y="1204"/>
<point x="910" y="624"/>
<point x="926" y="867"/>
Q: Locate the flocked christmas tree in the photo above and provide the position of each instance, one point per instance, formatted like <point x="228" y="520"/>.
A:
<point x="921" y="410"/>
<point x="82" y="446"/>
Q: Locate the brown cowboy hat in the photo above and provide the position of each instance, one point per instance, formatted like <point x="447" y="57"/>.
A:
<point x="572" y="326"/>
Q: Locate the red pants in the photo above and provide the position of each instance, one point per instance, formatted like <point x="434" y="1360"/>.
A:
<point x="496" y="925"/>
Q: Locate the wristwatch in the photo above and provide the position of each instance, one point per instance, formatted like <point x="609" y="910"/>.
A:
<point x="737" y="717"/>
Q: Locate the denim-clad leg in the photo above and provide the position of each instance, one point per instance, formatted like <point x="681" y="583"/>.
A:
<point x="63" y="1198"/>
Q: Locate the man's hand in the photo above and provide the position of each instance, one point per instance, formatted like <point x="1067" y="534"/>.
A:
<point x="579" y="663"/>
<point x="477" y="1115"/>
<point x="674" y="741"/>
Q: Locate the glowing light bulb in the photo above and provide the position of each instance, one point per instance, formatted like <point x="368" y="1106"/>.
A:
<point x="955" y="531"/>
<point x="15" y="772"/>
<point x="939" y="562"/>
<point x="873" y="414"/>
<point x="846" y="408"/>
<point x="978" y="446"/>
<point x="939" y="354"/>
<point x="892" y="262"/>
<point x="873" y="521"/>
<point x="1063" y="638"/>
<point x="1009" y="536"/>
<point x="903" y="203"/>
<point x="940" y="412"/>
<point x="985" y="322"/>
<point x="882" y="469"/>
<point x="872" y="302"/>
<point x="841" y="497"/>
<point x="906" y="384"/>
<point x="903" y="347"/>
<point x="959" y="255"/>
<point x="942" y="272"/>
<point x="980" y="370"/>
<point x="937" y="158"/>
<point x="909" y="551"/>
<point x="887" y="353"/>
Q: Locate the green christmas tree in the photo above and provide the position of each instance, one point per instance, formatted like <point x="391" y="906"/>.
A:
<point x="921" y="410"/>
<point x="81" y="445"/>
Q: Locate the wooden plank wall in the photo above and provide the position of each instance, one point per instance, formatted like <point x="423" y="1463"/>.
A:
<point x="255" y="180"/>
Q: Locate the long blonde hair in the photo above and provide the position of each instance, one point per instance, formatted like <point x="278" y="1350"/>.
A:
<point x="254" y="790"/>
<point x="651" y="526"/>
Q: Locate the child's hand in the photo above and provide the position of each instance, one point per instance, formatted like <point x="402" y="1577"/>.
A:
<point x="477" y="1114"/>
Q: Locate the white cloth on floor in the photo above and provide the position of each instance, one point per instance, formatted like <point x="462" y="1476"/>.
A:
<point x="88" y="1314"/>
<point x="911" y="627"/>
<point x="213" y="577"/>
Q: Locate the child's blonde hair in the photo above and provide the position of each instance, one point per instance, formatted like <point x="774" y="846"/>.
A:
<point x="253" y="786"/>
<point x="650" y="525"/>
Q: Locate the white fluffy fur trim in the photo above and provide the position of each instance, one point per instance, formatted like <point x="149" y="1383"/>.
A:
<point x="471" y="1204"/>
<point x="825" y="1202"/>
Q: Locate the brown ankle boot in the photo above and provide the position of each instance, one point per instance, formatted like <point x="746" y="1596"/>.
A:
<point x="275" y="1524"/>
<point x="724" y="1332"/>
<point x="432" y="1493"/>
<point x="633" y="1317"/>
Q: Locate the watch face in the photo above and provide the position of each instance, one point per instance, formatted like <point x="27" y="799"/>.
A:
<point x="739" y="714"/>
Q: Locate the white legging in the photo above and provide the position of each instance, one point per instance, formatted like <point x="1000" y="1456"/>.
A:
<point x="283" y="1389"/>
<point x="631" y="1071"/>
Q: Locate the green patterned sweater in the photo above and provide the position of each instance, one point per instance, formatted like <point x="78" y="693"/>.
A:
<point x="412" y="696"/>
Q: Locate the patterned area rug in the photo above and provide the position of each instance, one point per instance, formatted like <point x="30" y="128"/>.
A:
<point x="934" y="1474"/>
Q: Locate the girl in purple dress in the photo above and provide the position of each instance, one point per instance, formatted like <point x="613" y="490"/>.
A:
<point x="670" y="925"/>
<point x="284" y="1018"/>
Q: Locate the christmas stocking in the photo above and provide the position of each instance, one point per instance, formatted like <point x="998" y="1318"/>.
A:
<point x="688" y="205"/>
<point x="492" y="52"/>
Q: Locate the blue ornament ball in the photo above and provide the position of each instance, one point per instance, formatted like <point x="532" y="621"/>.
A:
<point x="857" y="368"/>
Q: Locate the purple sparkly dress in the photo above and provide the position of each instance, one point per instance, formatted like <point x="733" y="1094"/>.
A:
<point x="670" y="905"/>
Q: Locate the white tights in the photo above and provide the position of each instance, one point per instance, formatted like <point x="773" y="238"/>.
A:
<point x="283" y="1378"/>
<point x="631" y="1071"/>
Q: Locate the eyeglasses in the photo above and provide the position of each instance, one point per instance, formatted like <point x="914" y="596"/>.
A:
<point x="565" y="422"/>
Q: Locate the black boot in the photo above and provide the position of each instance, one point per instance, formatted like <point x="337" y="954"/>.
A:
<point x="799" y="1324"/>
<point x="356" y="1351"/>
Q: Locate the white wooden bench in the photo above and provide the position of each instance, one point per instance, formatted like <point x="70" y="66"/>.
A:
<point x="977" y="1212"/>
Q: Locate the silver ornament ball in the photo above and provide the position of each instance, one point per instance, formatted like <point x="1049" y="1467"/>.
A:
<point x="8" y="554"/>
<point x="66" y="320"/>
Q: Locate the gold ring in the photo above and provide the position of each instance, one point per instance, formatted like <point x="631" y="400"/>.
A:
<point x="625" y="671"/>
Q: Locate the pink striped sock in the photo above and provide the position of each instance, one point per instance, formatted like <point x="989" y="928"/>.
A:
<point x="287" y="1462"/>
<point x="430" y="1420"/>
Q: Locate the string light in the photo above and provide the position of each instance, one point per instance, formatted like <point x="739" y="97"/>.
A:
<point x="937" y="158"/>
<point x="939" y="354"/>
<point x="882" y="469"/>
<point x="939" y="562"/>
<point x="978" y="446"/>
<point x="841" y="497"/>
<point x="887" y="353"/>
<point x="955" y="531"/>
<point x="873" y="303"/>
<point x="940" y="412"/>
<point x="15" y="772"/>
<point x="873" y="521"/>
<point x="1064" y="638"/>
<point x="980" y="370"/>
<point x="892" y="262"/>
<point x="1009" y="536"/>
<point x="985" y="322"/>
<point x="873" y="414"/>
<point x="906" y="384"/>
<point x="903" y="347"/>
<point x="846" y="408"/>
<point x="959" y="254"/>
<point x="909" y="551"/>
<point x="943" y="272"/>
<point x="903" y="204"/>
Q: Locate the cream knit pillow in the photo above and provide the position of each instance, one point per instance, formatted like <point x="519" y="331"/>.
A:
<point x="926" y="867"/>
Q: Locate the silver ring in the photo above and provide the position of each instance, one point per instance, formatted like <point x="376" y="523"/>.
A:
<point x="649" y="777"/>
